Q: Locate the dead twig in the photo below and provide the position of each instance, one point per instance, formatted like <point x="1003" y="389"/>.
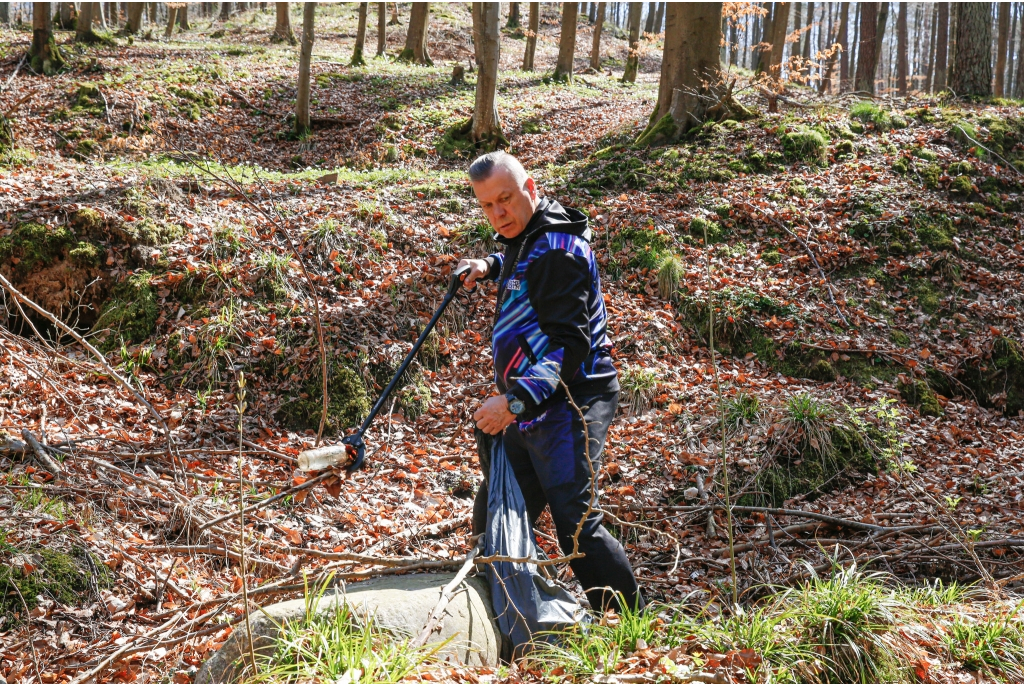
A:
<point x="446" y="596"/>
<point x="41" y="456"/>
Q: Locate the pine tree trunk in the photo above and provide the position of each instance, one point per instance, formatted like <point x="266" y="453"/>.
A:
<point x="633" y="59"/>
<point x="844" y="41"/>
<point x="867" y="57"/>
<point x="901" y="50"/>
<point x="486" y="125"/>
<point x="357" y="53"/>
<point x="1002" y="42"/>
<point x="283" y="24"/>
<point x="531" y="36"/>
<point x="134" y="23"/>
<point x="416" y="39"/>
<point x="172" y="14"/>
<point x="305" y="54"/>
<point x="566" y="42"/>
<point x="942" y="48"/>
<point x="382" y="28"/>
<point x="971" y="73"/>
<point x="513" y="15"/>
<point x="225" y="11"/>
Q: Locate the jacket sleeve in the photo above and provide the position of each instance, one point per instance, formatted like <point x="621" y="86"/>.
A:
<point x="558" y="285"/>
<point x="495" y="261"/>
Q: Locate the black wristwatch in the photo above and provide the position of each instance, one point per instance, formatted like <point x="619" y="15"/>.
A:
<point x="515" y="405"/>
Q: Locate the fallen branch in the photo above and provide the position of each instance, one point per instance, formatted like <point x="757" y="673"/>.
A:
<point x="24" y="99"/>
<point x="446" y="597"/>
<point x="41" y="456"/>
<point x="270" y="500"/>
<point x="90" y="675"/>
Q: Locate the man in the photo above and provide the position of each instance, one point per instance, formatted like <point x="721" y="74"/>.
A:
<point x="549" y="334"/>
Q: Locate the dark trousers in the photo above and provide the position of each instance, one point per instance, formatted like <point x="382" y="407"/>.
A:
<point x="548" y="457"/>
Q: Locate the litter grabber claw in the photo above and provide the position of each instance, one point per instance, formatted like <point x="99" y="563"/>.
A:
<point x="352" y="446"/>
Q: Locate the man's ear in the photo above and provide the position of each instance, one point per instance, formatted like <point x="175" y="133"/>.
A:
<point x="531" y="188"/>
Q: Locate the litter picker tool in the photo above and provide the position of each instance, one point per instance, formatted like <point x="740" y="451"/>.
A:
<point x="353" y="445"/>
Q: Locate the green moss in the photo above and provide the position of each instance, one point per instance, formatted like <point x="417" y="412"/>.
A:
<point x="62" y="576"/>
<point x="900" y="338"/>
<point x="86" y="255"/>
<point x="701" y="229"/>
<point x="130" y="315"/>
<point x="348" y="402"/>
<point x="771" y="256"/>
<point x="872" y="114"/>
<point x="856" y="127"/>
<point x="929" y="296"/>
<point x="924" y="153"/>
<point x="662" y="131"/>
<point x="960" y="169"/>
<point x="935" y="232"/>
<point x="901" y="166"/>
<point x="844" y="147"/>
<point x="87" y="221"/>
<point x="89" y="100"/>
<point x="804" y="144"/>
<point x="36" y="246"/>
<point x="798" y="361"/>
<point x="961" y="185"/>
<point x="917" y="393"/>
<point x="930" y="174"/>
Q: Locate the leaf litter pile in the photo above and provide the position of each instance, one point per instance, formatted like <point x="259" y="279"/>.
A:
<point x="857" y="270"/>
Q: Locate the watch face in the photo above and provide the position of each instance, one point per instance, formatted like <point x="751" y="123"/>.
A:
<point x="516" y="406"/>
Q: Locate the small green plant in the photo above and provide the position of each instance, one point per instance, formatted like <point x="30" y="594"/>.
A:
<point x="870" y="113"/>
<point x="952" y="502"/>
<point x="805" y="144"/>
<point x="638" y="385"/>
<point x="743" y="408"/>
<point x="994" y="646"/>
<point x="670" y="273"/>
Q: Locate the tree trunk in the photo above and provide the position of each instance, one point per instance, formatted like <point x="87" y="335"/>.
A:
<point x="83" y="30"/>
<point x="44" y="56"/>
<point x="416" y="39"/>
<point x="901" y="50"/>
<point x="183" y="18"/>
<point x="531" y="36"/>
<point x="690" y="70"/>
<point x="151" y="7"/>
<point x="830" y="64"/>
<point x="395" y="21"/>
<point x="929" y="59"/>
<point x="1002" y="42"/>
<point x="595" y="46"/>
<point x="942" y="47"/>
<point x="633" y="59"/>
<point x="513" y="16"/>
<point x="1018" y="76"/>
<point x="883" y="20"/>
<point x="566" y="42"/>
<point x="225" y="11"/>
<point x="5" y="13"/>
<point x="357" y="53"/>
<point x="867" y="57"/>
<point x="807" y="34"/>
<point x="66" y="15"/>
<point x="844" y="41"/>
<point x="1010" y="52"/>
<point x="172" y="14"/>
<point x="659" y="18"/>
<point x="775" y="43"/>
<point x="649" y="21"/>
<point x="382" y="28"/>
<point x="97" y="15"/>
<point x="794" y="50"/>
<point x="283" y="25"/>
<point x="486" y="125"/>
<point x="305" y="54"/>
<point x="971" y="73"/>
<point x="134" y="23"/>
<point x="592" y="13"/>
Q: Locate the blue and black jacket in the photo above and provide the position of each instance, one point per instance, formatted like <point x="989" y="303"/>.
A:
<point x="552" y="320"/>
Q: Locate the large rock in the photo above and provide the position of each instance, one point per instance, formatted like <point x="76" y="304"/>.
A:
<point x="399" y="603"/>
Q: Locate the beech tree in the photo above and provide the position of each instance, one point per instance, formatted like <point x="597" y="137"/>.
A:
<point x="566" y="42"/>
<point x="867" y="57"/>
<point x="531" y="36"/>
<point x="1002" y="45"/>
<point x="382" y="28"/>
<point x="770" y="59"/>
<point x="636" y="10"/>
<point x="225" y="11"/>
<point x="971" y="73"/>
<point x="183" y="17"/>
<point x="649" y="22"/>
<point x="83" y="29"/>
<point x="485" y="126"/>
<point x="305" y="54"/>
<point x="513" y="16"/>
<point x="66" y="15"/>
<point x="942" y="48"/>
<point x="44" y="55"/>
<point x="357" y="53"/>
<point x="416" y="39"/>
<point x="134" y="19"/>
<point x="901" y="50"/>
<point x="595" y="48"/>
<point x="283" y="25"/>
<point x="844" y="42"/>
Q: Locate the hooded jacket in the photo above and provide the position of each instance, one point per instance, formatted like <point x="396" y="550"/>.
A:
<point x="551" y="320"/>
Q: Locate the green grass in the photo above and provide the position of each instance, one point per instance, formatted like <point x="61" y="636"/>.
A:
<point x="638" y="387"/>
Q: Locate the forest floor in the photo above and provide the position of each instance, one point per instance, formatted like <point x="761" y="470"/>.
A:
<point x="858" y="263"/>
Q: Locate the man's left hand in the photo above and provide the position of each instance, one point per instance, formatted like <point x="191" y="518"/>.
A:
<point x="493" y="415"/>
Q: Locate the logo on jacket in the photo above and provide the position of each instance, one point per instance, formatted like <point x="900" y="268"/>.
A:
<point x="514" y="284"/>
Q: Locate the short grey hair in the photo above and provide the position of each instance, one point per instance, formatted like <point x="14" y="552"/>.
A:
<point x="484" y="165"/>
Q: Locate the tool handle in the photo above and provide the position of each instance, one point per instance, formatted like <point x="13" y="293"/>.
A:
<point x="457" y="278"/>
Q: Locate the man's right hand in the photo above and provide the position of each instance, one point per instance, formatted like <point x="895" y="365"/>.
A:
<point x="478" y="268"/>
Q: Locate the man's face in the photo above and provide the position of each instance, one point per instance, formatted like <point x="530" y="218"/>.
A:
<point x="508" y="207"/>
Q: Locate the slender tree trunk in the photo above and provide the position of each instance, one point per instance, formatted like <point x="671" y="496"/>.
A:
<point x="659" y="18"/>
<point x="972" y="64"/>
<point x="357" y="53"/>
<point x="283" y="25"/>
<point x="1011" y="51"/>
<point x="883" y="21"/>
<point x="486" y="125"/>
<point x="901" y="50"/>
<point x="1018" y="77"/>
<point x="44" y="56"/>
<point x="305" y="54"/>
<point x="649" y="21"/>
<point x="810" y="29"/>
<point x="566" y="42"/>
<point x="1002" y="42"/>
<point x="867" y="57"/>
<point x="172" y="14"/>
<point x="531" y="36"/>
<point x="929" y="67"/>
<point x="225" y="11"/>
<point x="152" y="12"/>
<point x="97" y="15"/>
<point x="775" y="43"/>
<point x="942" y="47"/>
<point x="83" y="30"/>
<point x="183" y="18"/>
<point x="382" y="28"/>
<point x="798" y="9"/>
<point x="633" y="59"/>
<point x="395" y="21"/>
<point x="513" y="16"/>
<point x="65" y="14"/>
<point x="844" y="41"/>
<point x="5" y="13"/>
<point x="830" y="64"/>
<point x="134" y="23"/>
<point x="416" y="39"/>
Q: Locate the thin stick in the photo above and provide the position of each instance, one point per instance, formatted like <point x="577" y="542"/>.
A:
<point x="270" y="500"/>
<point x="721" y="410"/>
<point x="241" y="517"/>
<point x="446" y="597"/>
<point x="41" y="456"/>
<point x="90" y="676"/>
<point x="31" y="642"/>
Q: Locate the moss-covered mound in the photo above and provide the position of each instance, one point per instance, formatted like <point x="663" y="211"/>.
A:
<point x="67" y="577"/>
<point x="996" y="380"/>
<point x="411" y="395"/>
<point x="919" y="394"/>
<point x="348" y="401"/>
<point x="130" y="315"/>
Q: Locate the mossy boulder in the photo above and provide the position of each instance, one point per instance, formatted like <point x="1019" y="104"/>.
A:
<point x="917" y="393"/>
<point x="348" y="401"/>
<point x="130" y="315"/>
<point x="804" y="144"/>
<point x="67" y="577"/>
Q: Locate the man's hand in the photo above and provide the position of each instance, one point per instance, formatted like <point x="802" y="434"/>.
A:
<point x="493" y="415"/>
<point x="478" y="268"/>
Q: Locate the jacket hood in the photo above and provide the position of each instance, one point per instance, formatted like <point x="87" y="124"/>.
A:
<point x="551" y="217"/>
